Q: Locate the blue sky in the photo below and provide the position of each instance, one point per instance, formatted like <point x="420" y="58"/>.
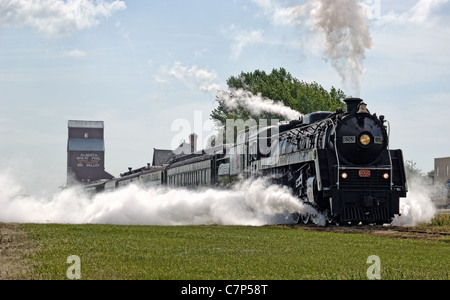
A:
<point x="140" y="65"/>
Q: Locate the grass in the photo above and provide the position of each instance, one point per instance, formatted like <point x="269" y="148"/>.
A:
<point x="441" y="222"/>
<point x="227" y="253"/>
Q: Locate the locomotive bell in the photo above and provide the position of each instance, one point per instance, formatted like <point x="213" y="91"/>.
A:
<point x="363" y="109"/>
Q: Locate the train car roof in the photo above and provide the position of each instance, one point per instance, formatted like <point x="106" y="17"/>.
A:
<point x="141" y="171"/>
<point x="96" y="183"/>
<point x="190" y="160"/>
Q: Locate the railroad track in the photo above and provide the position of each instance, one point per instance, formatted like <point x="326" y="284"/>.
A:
<point x="421" y="231"/>
<point x="395" y="231"/>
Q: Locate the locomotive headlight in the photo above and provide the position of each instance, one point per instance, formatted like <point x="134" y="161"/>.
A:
<point x="365" y="139"/>
<point x="344" y="175"/>
<point x="386" y="176"/>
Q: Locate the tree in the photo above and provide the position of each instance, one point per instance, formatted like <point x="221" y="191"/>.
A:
<point x="413" y="172"/>
<point x="280" y="86"/>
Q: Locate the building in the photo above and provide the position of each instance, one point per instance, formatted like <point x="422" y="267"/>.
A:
<point x="86" y="152"/>
<point x="441" y="170"/>
<point x="164" y="157"/>
<point x="442" y="182"/>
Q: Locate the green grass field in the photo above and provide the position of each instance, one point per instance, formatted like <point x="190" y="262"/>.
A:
<point x="219" y="252"/>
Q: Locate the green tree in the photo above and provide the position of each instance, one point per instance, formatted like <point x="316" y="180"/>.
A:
<point x="279" y="86"/>
<point x="413" y="172"/>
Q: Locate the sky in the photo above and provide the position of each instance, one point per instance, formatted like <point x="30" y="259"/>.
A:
<point x="142" y="66"/>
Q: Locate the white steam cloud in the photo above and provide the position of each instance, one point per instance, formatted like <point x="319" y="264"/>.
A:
<point x="252" y="203"/>
<point x="417" y="207"/>
<point x="256" y="104"/>
<point x="344" y="25"/>
<point x="201" y="79"/>
<point x="347" y="37"/>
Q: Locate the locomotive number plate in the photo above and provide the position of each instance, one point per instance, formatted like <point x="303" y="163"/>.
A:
<point x="349" y="140"/>
<point x="364" y="173"/>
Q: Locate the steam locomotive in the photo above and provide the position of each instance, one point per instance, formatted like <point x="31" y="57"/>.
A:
<point x="338" y="162"/>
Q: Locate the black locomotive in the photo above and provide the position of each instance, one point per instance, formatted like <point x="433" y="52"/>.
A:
<point x="341" y="164"/>
<point x="338" y="162"/>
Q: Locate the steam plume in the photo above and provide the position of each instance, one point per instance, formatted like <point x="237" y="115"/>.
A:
<point x="346" y="28"/>
<point x="256" y="104"/>
<point x="417" y="207"/>
<point x="344" y="24"/>
<point x="254" y="202"/>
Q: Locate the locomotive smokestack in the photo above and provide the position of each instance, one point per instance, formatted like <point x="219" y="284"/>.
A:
<point x="352" y="103"/>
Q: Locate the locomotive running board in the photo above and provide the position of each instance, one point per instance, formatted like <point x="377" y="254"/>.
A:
<point x="291" y="159"/>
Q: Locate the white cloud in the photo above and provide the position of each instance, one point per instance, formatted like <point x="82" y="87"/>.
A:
<point x="57" y="18"/>
<point x="75" y="53"/>
<point x="244" y="38"/>
<point x="422" y="13"/>
<point x="200" y="53"/>
<point x="193" y="77"/>
<point x="290" y="16"/>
